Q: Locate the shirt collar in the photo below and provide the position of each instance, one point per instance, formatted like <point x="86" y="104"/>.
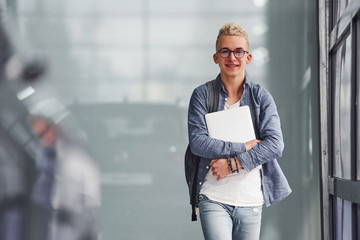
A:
<point x="218" y="78"/>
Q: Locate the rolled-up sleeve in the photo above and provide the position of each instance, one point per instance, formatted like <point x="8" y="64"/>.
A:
<point x="269" y="126"/>
<point x="200" y="142"/>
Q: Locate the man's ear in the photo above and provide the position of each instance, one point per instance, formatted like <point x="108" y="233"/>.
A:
<point x="215" y="57"/>
<point x="248" y="58"/>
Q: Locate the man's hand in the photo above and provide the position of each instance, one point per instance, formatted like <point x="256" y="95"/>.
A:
<point x="250" y="144"/>
<point x="220" y="168"/>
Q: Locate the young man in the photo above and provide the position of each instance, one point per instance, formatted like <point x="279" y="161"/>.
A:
<point x="230" y="204"/>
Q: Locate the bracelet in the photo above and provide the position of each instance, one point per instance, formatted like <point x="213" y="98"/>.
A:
<point x="229" y="164"/>
<point x="237" y="166"/>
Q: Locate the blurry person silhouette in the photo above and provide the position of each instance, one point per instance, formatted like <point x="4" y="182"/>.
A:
<point x="67" y="187"/>
<point x="45" y="165"/>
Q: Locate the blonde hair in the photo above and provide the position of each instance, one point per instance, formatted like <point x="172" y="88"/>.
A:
<point x="232" y="29"/>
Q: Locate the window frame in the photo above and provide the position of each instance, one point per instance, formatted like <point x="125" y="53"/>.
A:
<point x="331" y="36"/>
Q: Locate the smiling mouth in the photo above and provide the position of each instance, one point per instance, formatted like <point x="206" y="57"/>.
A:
<point x="232" y="65"/>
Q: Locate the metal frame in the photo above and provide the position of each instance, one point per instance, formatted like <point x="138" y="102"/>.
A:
<point x="324" y="89"/>
<point x="345" y="189"/>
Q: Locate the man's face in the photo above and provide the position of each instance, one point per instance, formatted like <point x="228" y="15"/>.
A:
<point x="232" y="66"/>
<point x="45" y="132"/>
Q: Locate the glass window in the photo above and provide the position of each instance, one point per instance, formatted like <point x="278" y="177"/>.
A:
<point x="338" y="9"/>
<point x="343" y="117"/>
<point x="342" y="219"/>
<point x="358" y="217"/>
<point x="343" y="99"/>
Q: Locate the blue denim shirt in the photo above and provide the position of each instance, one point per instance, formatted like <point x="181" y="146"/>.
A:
<point x="267" y="128"/>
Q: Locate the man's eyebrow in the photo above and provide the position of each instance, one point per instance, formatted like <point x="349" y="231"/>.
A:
<point x="230" y="49"/>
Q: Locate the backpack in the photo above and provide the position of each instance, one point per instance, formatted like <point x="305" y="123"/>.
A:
<point x="192" y="160"/>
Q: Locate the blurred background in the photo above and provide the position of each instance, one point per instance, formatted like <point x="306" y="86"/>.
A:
<point x="118" y="75"/>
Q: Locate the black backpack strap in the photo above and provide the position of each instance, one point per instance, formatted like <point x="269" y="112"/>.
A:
<point x="189" y="155"/>
<point x="213" y="100"/>
<point x="190" y="159"/>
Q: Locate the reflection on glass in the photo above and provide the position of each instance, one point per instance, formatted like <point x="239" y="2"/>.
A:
<point x="343" y="223"/>
<point x="342" y="111"/>
<point x="358" y="217"/>
<point x="338" y="9"/>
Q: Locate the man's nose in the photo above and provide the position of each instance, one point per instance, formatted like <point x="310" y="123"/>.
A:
<point x="232" y="55"/>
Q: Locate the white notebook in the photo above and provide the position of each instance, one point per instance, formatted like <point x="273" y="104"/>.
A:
<point x="232" y="125"/>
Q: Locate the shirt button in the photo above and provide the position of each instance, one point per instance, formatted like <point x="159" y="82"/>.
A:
<point x="207" y="167"/>
<point x="200" y="183"/>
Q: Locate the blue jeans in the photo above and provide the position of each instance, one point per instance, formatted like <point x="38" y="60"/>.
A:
<point x="224" y="222"/>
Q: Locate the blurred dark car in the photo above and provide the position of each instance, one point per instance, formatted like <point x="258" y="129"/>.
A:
<point x="139" y="149"/>
<point x="133" y="137"/>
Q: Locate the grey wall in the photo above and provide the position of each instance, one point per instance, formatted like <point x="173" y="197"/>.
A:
<point x="293" y="80"/>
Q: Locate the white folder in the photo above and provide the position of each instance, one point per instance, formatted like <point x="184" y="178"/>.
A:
<point x="232" y="125"/>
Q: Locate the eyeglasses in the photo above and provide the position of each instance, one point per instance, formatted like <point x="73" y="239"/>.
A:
<point x="238" y="52"/>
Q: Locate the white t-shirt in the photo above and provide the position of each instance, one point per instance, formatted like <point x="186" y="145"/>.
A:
<point x="237" y="189"/>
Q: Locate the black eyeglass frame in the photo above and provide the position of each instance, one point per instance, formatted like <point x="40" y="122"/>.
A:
<point x="237" y="49"/>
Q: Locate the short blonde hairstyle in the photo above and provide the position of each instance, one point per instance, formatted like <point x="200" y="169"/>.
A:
<point x="232" y="29"/>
